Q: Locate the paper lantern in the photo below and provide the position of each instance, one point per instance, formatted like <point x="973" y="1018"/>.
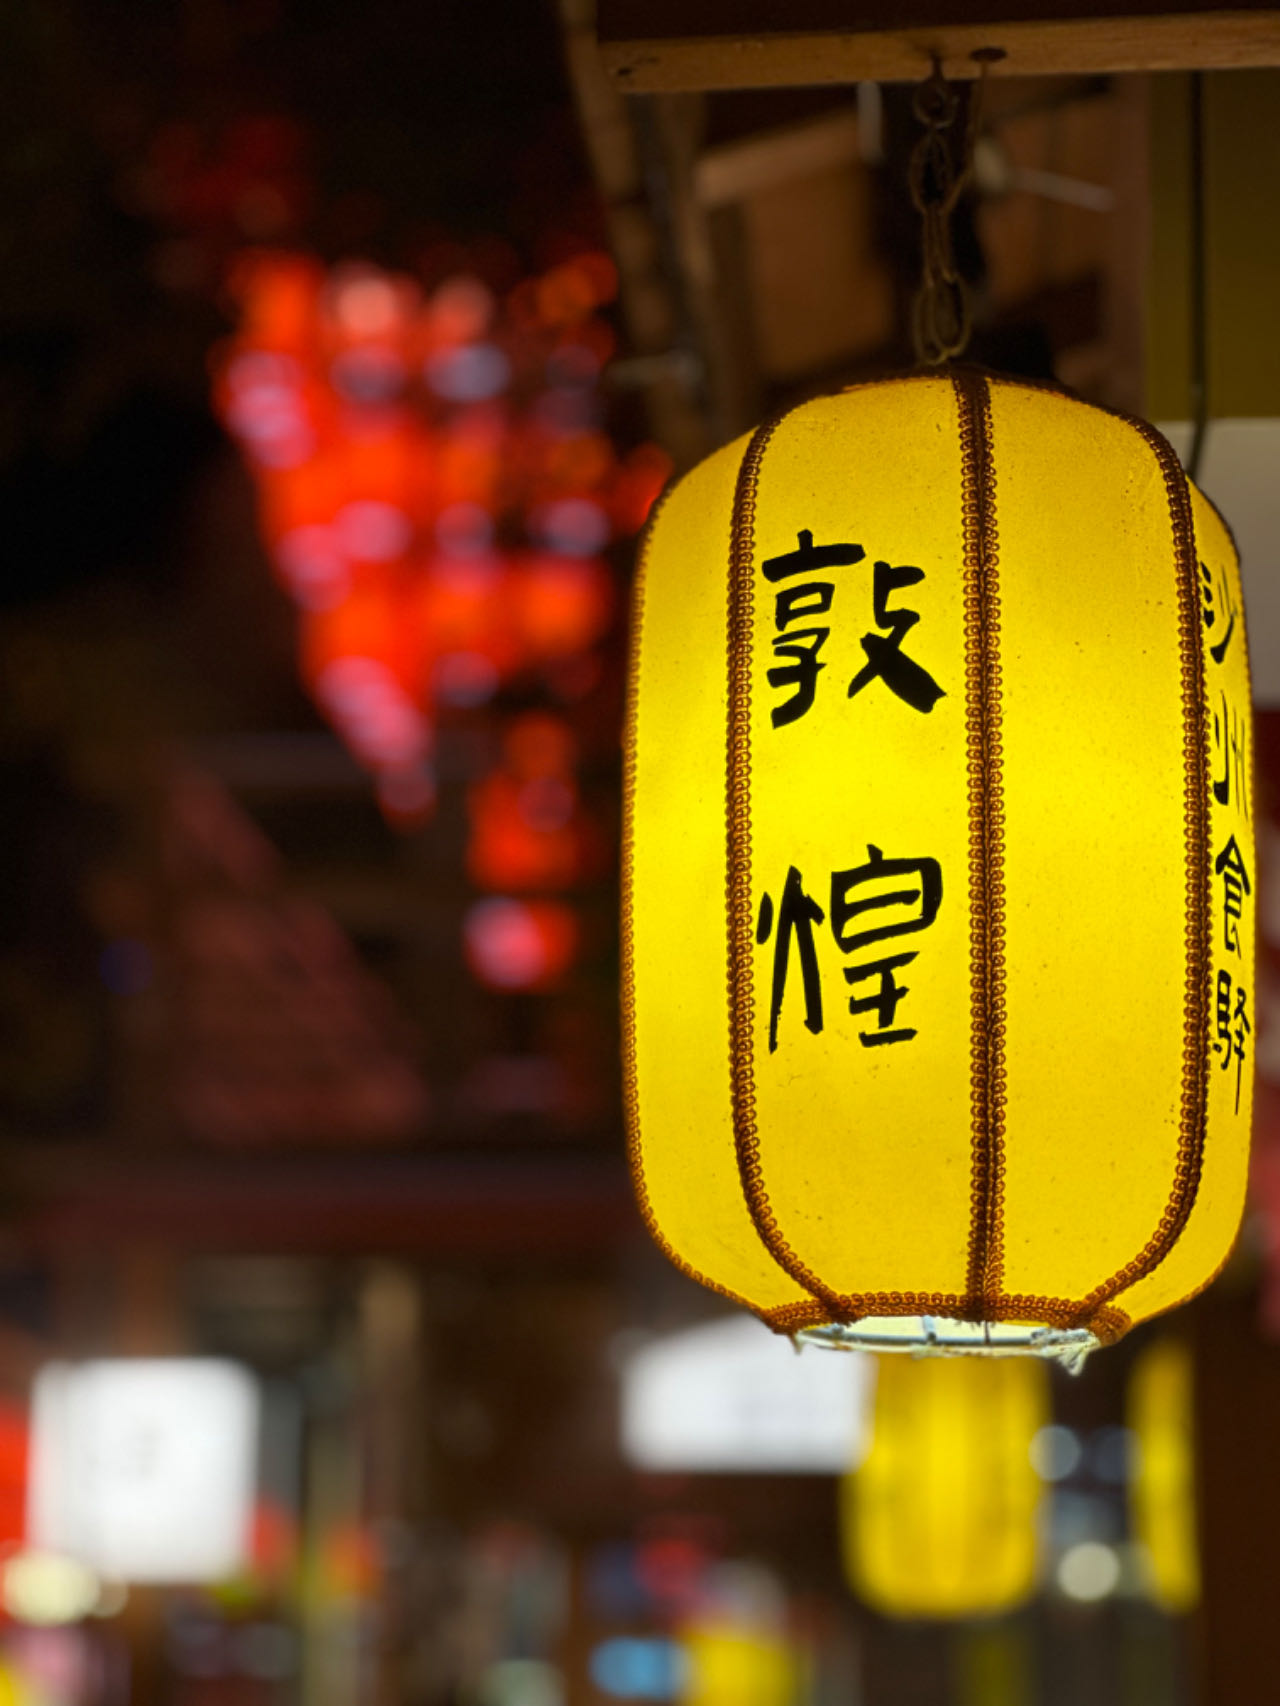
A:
<point x="940" y="1520"/>
<point x="1162" y="1491"/>
<point x="939" y="889"/>
<point x="731" y="1666"/>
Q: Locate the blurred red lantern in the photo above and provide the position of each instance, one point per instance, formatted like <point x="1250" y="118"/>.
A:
<point x="276" y="294"/>
<point x="376" y="620"/>
<point x="527" y="826"/>
<point x="561" y="605"/>
<point x="397" y="437"/>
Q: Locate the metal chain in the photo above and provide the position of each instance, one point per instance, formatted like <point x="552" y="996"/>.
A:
<point x="941" y="166"/>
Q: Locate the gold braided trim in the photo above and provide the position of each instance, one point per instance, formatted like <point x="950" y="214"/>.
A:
<point x="630" y="1090"/>
<point x="1188" y="1161"/>
<point x="1107" y="1324"/>
<point x="1195" y="750"/>
<point x="741" y="936"/>
<point x="986" y="845"/>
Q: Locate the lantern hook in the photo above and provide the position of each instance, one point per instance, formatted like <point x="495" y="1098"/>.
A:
<point x="941" y="166"/>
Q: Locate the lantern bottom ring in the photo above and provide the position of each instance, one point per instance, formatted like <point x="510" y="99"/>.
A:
<point x="937" y="1335"/>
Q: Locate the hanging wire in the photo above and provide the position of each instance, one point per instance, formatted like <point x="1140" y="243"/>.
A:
<point x="1198" y="292"/>
<point x="941" y="166"/>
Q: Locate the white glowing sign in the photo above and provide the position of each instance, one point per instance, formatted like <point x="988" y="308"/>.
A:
<point x="731" y="1395"/>
<point x="144" y="1468"/>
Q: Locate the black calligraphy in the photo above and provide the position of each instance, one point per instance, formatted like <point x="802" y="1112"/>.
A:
<point x="1218" y="603"/>
<point x="801" y="632"/>
<point x="1233" y="1026"/>
<point x="1229" y="778"/>
<point x="796" y="918"/>
<point x="885" y="657"/>
<point x="1230" y="866"/>
<point x="869" y="904"/>
<point x="1230" y="739"/>
<point x="799" y="647"/>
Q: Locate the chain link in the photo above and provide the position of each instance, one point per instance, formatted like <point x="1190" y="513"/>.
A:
<point x="941" y="166"/>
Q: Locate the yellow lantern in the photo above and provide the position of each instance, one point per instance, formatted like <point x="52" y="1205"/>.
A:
<point x="732" y="1666"/>
<point x="941" y="1517"/>
<point x="938" y="881"/>
<point x="1162" y="1491"/>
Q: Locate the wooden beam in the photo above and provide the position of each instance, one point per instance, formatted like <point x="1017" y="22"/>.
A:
<point x="95" y="1196"/>
<point x="653" y="45"/>
<point x="674" y="395"/>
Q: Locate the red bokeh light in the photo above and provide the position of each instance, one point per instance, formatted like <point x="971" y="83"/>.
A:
<point x="520" y="944"/>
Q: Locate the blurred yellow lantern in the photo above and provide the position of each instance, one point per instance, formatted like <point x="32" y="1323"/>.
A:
<point x="1162" y="1490"/>
<point x="938" y="885"/>
<point x="728" y="1665"/>
<point x="941" y="1517"/>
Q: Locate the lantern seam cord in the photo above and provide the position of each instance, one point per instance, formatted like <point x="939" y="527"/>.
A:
<point x="986" y="841"/>
<point x="1195" y="1065"/>
<point x="1195" y="1072"/>
<point x="741" y="983"/>
<point x="630" y="1089"/>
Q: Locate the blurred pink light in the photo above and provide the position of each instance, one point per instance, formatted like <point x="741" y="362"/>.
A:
<point x="377" y="532"/>
<point x="373" y="712"/>
<point x="578" y="527"/>
<point x="259" y="370"/>
<point x="460" y="310"/>
<point x="368" y="374"/>
<point x="366" y="305"/>
<point x="465" y="679"/>
<point x="407" y="795"/>
<point x="547" y="803"/>
<point x="514" y="944"/>
<point x="573" y="364"/>
<point x="464" y="529"/>
<point x="313" y="567"/>
<point x="469" y="373"/>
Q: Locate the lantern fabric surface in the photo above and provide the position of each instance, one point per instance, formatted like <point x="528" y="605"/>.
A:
<point x="941" y="1517"/>
<point x="938" y="891"/>
<point x="1162" y="1491"/>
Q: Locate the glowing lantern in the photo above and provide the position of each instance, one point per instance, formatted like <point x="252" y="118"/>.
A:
<point x="940" y="1519"/>
<point x="731" y="1666"/>
<point x="1162" y="1492"/>
<point x="982" y="1071"/>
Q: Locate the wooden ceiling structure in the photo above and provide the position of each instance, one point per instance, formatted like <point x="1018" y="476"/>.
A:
<point x="665" y="45"/>
<point x="752" y="161"/>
